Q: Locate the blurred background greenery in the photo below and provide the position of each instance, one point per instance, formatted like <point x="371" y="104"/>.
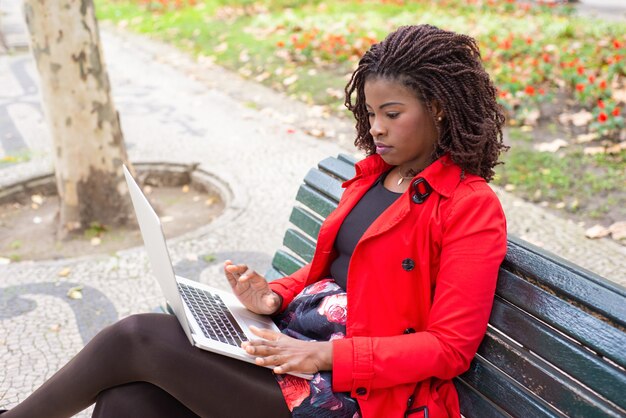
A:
<point x="560" y="76"/>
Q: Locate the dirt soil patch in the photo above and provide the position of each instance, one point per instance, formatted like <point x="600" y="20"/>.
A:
<point x="28" y="230"/>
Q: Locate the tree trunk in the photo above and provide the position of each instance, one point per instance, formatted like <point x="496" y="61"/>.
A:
<point x="88" y="143"/>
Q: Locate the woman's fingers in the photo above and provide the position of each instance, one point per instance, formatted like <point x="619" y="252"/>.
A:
<point x="275" y="360"/>
<point x="266" y="334"/>
<point x="236" y="274"/>
<point x="262" y="350"/>
<point x="265" y="346"/>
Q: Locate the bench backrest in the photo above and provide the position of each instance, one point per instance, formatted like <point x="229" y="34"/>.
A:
<point x="556" y="343"/>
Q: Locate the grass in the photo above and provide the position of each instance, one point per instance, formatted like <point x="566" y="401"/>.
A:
<point x="570" y="180"/>
<point x="14" y="159"/>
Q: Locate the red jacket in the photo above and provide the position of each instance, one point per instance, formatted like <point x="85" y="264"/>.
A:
<point x="420" y="288"/>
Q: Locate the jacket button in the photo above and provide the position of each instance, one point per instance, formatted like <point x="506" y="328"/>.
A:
<point x="361" y="391"/>
<point x="408" y="264"/>
<point x="409" y="331"/>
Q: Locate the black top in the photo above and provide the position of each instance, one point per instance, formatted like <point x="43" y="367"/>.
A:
<point x="371" y="205"/>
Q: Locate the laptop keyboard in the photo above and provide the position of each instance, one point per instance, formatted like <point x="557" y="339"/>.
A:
<point x="212" y="315"/>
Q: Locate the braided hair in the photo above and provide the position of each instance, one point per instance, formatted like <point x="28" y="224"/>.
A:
<point x="440" y="66"/>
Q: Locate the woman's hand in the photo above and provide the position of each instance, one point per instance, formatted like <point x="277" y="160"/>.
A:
<point x="289" y="355"/>
<point x="251" y="289"/>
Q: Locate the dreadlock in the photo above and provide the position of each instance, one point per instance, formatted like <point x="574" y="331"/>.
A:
<point x="438" y="66"/>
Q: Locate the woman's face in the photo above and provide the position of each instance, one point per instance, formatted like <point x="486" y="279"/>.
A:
<point x="404" y="132"/>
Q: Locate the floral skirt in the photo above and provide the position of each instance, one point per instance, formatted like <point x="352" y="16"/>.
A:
<point x="318" y="313"/>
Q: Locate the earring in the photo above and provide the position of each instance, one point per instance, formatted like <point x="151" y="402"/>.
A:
<point x="439" y="118"/>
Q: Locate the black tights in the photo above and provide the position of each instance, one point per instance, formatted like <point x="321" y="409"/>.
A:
<point x="144" y="366"/>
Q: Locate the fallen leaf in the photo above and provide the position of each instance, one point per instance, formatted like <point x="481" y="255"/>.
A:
<point x="196" y="198"/>
<point x="210" y="201"/>
<point x="619" y="95"/>
<point x="564" y="118"/>
<point x="37" y="220"/>
<point x="37" y="199"/>
<point x="185" y="188"/>
<point x="614" y="149"/>
<point x="597" y="231"/>
<point x="618" y="230"/>
<point x="221" y="47"/>
<point x="95" y="241"/>
<point x="4" y="261"/>
<point x="243" y="56"/>
<point x="245" y="72"/>
<point x="165" y="219"/>
<point x="317" y="133"/>
<point x="581" y="118"/>
<point x="65" y="272"/>
<point x="335" y="93"/>
<point x="290" y="80"/>
<point x="509" y="187"/>
<point x="147" y="189"/>
<point x="55" y="327"/>
<point x="262" y="77"/>
<point x="581" y="139"/>
<point x="551" y="146"/>
<point x="594" y="150"/>
<point x="560" y="205"/>
<point x="75" y="293"/>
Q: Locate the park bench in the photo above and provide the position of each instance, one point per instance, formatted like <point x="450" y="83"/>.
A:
<point x="556" y="342"/>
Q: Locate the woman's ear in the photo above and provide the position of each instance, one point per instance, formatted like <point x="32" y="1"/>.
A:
<point x="437" y="110"/>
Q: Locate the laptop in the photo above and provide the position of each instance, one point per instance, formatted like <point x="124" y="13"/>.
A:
<point x="212" y="319"/>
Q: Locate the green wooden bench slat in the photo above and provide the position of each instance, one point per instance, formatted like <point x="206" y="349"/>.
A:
<point x="338" y="168"/>
<point x="347" y="158"/>
<point x="286" y="263"/>
<point x="302" y="246"/>
<point x="580" y="363"/>
<point x="314" y="200"/>
<point x="324" y="183"/>
<point x="508" y="395"/>
<point x="550" y="384"/>
<point x="306" y="221"/>
<point x="585" y="287"/>
<point x="473" y="404"/>
<point x="586" y="328"/>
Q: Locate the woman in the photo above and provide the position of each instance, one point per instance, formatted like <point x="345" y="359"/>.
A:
<point x="396" y="299"/>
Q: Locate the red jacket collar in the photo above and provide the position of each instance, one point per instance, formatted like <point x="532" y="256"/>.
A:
<point x="443" y="175"/>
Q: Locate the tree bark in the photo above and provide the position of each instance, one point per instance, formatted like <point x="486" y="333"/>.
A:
<point x="88" y="143"/>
